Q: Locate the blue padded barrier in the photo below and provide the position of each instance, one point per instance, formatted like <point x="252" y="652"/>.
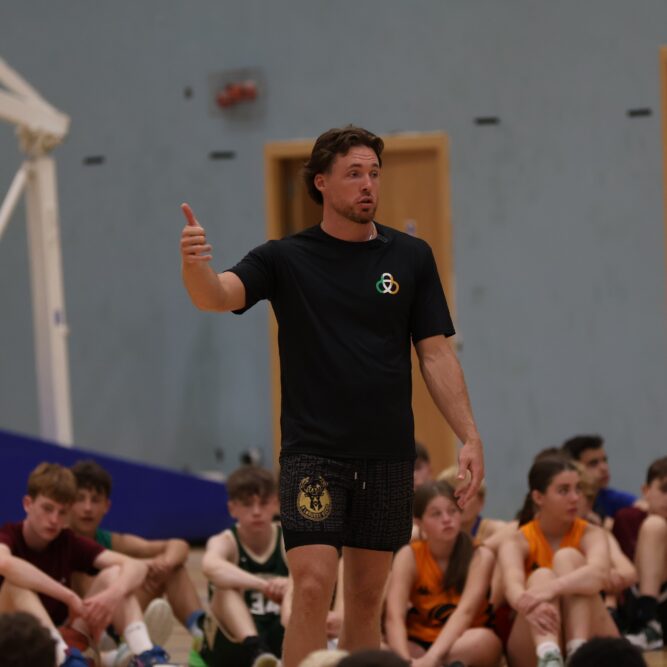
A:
<point x="153" y="502"/>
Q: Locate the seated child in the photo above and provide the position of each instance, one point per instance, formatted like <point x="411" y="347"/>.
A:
<point x="589" y="451"/>
<point x="247" y="570"/>
<point x="650" y="622"/>
<point x="166" y="559"/>
<point x="42" y="540"/>
<point x="437" y="602"/>
<point x="554" y="568"/>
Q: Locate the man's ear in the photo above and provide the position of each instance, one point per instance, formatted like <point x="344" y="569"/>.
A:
<point x="231" y="508"/>
<point x="319" y="182"/>
<point x="27" y="503"/>
<point x="108" y="506"/>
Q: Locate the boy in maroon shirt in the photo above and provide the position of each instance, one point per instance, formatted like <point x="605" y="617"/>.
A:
<point x="57" y="555"/>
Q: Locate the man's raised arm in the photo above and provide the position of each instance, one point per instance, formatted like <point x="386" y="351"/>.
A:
<point x="207" y="289"/>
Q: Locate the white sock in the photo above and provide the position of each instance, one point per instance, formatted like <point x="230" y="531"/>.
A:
<point x="547" y="647"/>
<point x="61" y="647"/>
<point x="573" y="645"/>
<point x="136" y="636"/>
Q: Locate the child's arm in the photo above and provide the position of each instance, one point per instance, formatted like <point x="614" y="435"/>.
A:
<point x="623" y="573"/>
<point x="220" y="568"/>
<point x="23" y="574"/>
<point x="511" y="555"/>
<point x="101" y="606"/>
<point x="403" y="574"/>
<point x="541" y="616"/>
<point x="590" y="578"/>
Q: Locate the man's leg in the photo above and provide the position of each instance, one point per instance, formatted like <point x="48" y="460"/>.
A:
<point x="364" y="581"/>
<point x="313" y="569"/>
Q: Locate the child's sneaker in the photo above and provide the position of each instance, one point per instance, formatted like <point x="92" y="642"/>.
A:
<point x="74" y="658"/>
<point x="159" y="620"/>
<point x="551" y="659"/>
<point x="647" y="638"/>
<point x="155" y="656"/>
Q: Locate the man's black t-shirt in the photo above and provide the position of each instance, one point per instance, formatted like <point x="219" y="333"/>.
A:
<point x="346" y="312"/>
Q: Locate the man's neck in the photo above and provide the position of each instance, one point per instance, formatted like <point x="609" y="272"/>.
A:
<point x="341" y="228"/>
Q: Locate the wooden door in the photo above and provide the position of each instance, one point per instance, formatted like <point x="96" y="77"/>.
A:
<point x="414" y="198"/>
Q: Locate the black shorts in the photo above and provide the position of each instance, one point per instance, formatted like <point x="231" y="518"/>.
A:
<point x="359" y="503"/>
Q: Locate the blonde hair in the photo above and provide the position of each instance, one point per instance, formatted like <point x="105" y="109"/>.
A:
<point x="324" y="658"/>
<point x="450" y="475"/>
<point x="52" y="481"/>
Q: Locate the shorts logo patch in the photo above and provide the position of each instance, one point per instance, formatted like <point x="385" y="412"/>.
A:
<point x="314" y="501"/>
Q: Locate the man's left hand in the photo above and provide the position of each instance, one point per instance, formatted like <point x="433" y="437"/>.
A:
<point x="471" y="459"/>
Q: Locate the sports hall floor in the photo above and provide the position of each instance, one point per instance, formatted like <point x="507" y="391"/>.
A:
<point x="178" y="644"/>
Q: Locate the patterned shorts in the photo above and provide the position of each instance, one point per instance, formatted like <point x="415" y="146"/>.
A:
<point x="359" y="503"/>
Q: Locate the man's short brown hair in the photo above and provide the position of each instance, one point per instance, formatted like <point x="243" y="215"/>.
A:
<point x="52" y="481"/>
<point x="249" y="481"/>
<point x="332" y="143"/>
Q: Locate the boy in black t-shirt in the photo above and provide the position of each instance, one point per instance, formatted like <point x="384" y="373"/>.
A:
<point x="349" y="296"/>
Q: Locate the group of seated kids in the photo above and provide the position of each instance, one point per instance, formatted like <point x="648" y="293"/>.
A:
<point x="580" y="561"/>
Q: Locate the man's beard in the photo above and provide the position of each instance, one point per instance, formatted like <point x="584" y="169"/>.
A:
<point x="349" y="213"/>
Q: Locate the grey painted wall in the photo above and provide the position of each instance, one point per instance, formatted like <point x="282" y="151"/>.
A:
<point x="557" y="211"/>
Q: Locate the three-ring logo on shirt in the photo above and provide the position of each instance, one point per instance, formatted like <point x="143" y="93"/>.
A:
<point x="387" y="284"/>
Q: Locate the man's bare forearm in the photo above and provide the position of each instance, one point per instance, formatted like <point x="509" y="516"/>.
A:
<point x="203" y="286"/>
<point x="444" y="378"/>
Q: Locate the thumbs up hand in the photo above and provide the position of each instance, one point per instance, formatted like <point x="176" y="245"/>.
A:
<point x="194" y="248"/>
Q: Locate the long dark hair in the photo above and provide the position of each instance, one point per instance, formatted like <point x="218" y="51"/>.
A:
<point x="459" y="560"/>
<point x="539" y="477"/>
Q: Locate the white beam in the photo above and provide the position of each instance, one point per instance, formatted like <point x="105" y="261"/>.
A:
<point x="34" y="115"/>
<point x="13" y="194"/>
<point x="48" y="303"/>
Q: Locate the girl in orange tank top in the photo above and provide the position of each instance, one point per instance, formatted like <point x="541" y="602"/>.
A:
<point x="554" y="568"/>
<point x="437" y="600"/>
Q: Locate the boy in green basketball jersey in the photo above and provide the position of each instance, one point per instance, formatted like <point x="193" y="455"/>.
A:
<point x="247" y="571"/>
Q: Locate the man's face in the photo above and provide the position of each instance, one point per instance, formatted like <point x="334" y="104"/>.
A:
<point x="595" y="462"/>
<point x="656" y="496"/>
<point x="44" y="521"/>
<point x="88" y="510"/>
<point x="352" y="185"/>
<point x="254" y="513"/>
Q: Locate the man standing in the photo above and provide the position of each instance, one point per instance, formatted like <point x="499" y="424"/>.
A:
<point x="349" y="294"/>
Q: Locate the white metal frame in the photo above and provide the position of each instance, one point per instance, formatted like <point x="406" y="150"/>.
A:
<point x="40" y="128"/>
